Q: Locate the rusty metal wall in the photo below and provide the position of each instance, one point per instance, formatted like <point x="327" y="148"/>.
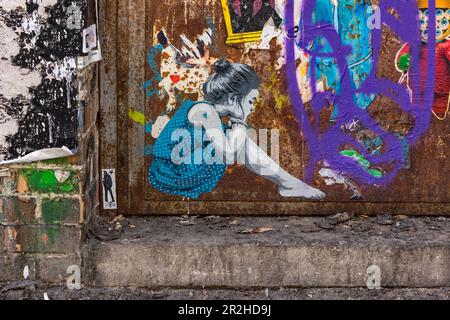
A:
<point x="129" y="30"/>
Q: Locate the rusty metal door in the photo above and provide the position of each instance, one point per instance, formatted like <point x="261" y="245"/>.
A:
<point x="133" y="75"/>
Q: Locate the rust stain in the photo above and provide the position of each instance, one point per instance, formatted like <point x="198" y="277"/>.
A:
<point x="45" y="239"/>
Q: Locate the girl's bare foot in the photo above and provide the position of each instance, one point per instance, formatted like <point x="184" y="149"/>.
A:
<point x="299" y="189"/>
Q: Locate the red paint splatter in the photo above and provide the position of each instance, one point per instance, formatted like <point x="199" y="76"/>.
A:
<point x="175" y="78"/>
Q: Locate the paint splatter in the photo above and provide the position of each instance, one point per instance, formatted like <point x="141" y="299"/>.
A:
<point x="327" y="146"/>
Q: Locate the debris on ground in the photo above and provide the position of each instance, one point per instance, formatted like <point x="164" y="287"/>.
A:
<point x="19" y="285"/>
<point x="385" y="219"/>
<point x="187" y="222"/>
<point x="326" y="224"/>
<point x="255" y="230"/>
<point x="214" y="219"/>
<point x="360" y="226"/>
<point x="404" y="225"/>
<point x="104" y="229"/>
<point x="234" y="223"/>
<point x="302" y="230"/>
<point x="305" y="225"/>
<point x="342" y="217"/>
<point x="330" y="222"/>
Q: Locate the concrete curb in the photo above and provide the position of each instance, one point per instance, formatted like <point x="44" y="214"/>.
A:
<point x="224" y="259"/>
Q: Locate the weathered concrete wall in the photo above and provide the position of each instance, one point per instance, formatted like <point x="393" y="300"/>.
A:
<point x="45" y="205"/>
<point x="214" y="252"/>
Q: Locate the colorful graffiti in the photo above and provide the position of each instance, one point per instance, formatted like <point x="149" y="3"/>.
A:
<point x="441" y="101"/>
<point x="182" y="70"/>
<point x="336" y="35"/>
<point x="331" y="53"/>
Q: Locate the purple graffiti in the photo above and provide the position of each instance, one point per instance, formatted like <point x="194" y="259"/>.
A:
<point x="326" y="146"/>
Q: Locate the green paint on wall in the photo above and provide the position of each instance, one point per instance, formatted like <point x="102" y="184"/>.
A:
<point x="44" y="181"/>
<point x="137" y="116"/>
<point x="363" y="162"/>
<point x="55" y="211"/>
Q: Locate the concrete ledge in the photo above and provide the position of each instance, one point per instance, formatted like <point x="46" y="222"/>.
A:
<point x="223" y="253"/>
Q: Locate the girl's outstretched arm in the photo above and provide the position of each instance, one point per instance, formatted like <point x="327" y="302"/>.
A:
<point x="260" y="163"/>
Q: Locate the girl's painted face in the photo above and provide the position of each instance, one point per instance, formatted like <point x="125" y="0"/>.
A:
<point x="240" y="108"/>
<point x="248" y="103"/>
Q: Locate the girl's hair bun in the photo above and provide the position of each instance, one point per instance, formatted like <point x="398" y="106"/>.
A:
<point x="222" y="66"/>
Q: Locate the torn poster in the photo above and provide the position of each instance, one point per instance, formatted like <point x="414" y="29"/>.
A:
<point x="44" y="154"/>
<point x="245" y="19"/>
<point x="91" y="52"/>
<point x="40" y="41"/>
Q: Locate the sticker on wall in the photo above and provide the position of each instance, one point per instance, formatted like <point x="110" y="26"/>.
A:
<point x="91" y="52"/>
<point x="109" y="189"/>
<point x="90" y="38"/>
<point x="245" y="19"/>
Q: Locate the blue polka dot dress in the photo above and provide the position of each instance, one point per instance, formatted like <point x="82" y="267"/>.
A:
<point x="189" y="179"/>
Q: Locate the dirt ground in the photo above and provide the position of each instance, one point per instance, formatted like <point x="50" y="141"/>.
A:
<point x="40" y="292"/>
<point x="275" y="230"/>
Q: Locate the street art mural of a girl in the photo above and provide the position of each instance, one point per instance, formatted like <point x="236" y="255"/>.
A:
<point x="330" y="52"/>
<point x="188" y="167"/>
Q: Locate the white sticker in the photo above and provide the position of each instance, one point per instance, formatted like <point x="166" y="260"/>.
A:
<point x="109" y="189"/>
<point x="90" y="38"/>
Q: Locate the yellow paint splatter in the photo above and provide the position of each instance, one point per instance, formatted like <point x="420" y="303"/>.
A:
<point x="281" y="99"/>
<point x="137" y="116"/>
